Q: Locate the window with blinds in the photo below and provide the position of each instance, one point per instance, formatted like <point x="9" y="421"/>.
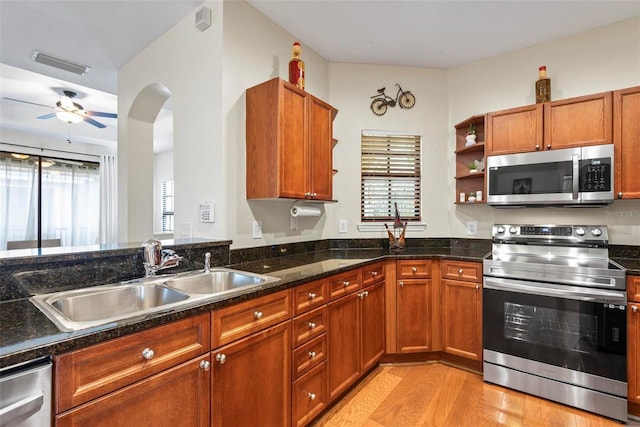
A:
<point x="390" y="174"/>
<point x="167" y="206"/>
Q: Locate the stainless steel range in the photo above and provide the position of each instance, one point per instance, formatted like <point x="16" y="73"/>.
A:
<point x="554" y="316"/>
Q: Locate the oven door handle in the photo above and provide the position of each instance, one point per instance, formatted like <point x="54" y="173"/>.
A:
<point x="555" y="291"/>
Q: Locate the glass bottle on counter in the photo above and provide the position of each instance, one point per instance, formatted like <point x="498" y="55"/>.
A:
<point x="296" y="67"/>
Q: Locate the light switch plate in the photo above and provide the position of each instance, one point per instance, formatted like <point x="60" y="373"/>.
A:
<point x="257" y="229"/>
<point x="343" y="226"/>
<point x="472" y="228"/>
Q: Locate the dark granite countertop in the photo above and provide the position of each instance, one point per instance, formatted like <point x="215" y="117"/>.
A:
<point x="26" y="333"/>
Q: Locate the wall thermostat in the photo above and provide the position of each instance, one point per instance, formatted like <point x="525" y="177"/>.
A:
<point x="207" y="212"/>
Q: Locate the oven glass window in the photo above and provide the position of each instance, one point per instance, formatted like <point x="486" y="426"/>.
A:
<point x="541" y="178"/>
<point x="584" y="336"/>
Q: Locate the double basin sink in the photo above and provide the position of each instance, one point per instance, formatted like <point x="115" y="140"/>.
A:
<point x="99" y="305"/>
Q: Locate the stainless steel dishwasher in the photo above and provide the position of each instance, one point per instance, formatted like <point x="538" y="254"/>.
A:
<point x="25" y="394"/>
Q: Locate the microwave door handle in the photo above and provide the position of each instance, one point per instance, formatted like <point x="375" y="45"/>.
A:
<point x="576" y="177"/>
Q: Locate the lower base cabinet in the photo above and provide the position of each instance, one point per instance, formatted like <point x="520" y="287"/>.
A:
<point x="462" y="319"/>
<point x="251" y="380"/>
<point x="309" y="395"/>
<point x="344" y="344"/>
<point x="178" y="396"/>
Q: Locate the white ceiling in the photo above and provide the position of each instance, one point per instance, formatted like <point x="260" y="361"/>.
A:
<point x="105" y="34"/>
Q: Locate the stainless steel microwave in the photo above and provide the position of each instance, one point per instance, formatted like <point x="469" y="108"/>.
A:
<point x="564" y="177"/>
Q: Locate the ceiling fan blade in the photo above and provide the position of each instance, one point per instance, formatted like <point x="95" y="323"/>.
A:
<point x="27" y="102"/>
<point x="101" y="114"/>
<point x="47" y="116"/>
<point x="93" y="122"/>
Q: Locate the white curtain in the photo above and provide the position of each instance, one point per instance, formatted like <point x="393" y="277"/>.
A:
<point x="108" y="200"/>
<point x="18" y="200"/>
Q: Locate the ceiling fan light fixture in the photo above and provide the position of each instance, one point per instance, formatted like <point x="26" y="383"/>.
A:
<point x="20" y="156"/>
<point x="69" y="117"/>
<point x="60" y="63"/>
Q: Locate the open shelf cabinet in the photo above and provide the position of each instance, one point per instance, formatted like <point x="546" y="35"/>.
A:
<point x="466" y="181"/>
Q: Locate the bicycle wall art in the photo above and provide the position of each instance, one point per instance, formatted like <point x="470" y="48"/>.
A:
<point x="405" y="99"/>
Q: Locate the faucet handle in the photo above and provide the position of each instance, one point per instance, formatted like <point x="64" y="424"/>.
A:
<point x="207" y="262"/>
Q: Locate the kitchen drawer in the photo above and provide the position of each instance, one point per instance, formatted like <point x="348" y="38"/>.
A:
<point x="461" y="270"/>
<point x="309" y="355"/>
<point x="372" y="274"/>
<point x="308" y="326"/>
<point x="633" y="288"/>
<point x="237" y="321"/>
<point x="413" y="269"/>
<point x="309" y="296"/>
<point x="344" y="283"/>
<point x="309" y="395"/>
<point x="85" y="374"/>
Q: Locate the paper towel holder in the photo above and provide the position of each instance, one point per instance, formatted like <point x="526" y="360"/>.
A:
<point x="293" y="207"/>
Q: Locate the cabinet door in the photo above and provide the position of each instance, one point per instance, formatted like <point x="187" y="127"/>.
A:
<point x="515" y="130"/>
<point x="178" y="396"/>
<point x="372" y="322"/>
<point x="414" y="313"/>
<point x="626" y="137"/>
<point x="344" y="344"/>
<point x="293" y="164"/>
<point x="462" y="312"/>
<point x="251" y="380"/>
<point x="576" y="122"/>
<point x="633" y="352"/>
<point x="320" y="138"/>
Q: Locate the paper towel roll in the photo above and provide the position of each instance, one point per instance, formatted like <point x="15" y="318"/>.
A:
<point x="305" y="211"/>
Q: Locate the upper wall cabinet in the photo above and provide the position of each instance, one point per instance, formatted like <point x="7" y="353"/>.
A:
<point x="289" y="136"/>
<point x="626" y="138"/>
<point x="574" y="122"/>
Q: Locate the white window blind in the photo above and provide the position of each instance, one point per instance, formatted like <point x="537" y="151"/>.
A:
<point x="167" y="206"/>
<point x="390" y="174"/>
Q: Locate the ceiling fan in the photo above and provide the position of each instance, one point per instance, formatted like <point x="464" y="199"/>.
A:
<point x="71" y="112"/>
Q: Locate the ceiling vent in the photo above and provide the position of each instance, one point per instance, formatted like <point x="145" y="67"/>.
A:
<point x="59" y="63"/>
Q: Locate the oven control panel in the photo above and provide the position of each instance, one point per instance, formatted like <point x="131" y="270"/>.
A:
<point x="551" y="232"/>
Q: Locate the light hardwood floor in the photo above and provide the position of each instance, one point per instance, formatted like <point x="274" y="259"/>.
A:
<point x="435" y="394"/>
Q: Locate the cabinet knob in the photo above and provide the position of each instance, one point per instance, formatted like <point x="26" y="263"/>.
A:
<point x="345" y="283"/>
<point x="365" y="294"/>
<point x="221" y="358"/>
<point x="620" y="195"/>
<point x="460" y="271"/>
<point x="148" y="354"/>
<point x="414" y="269"/>
<point x="477" y="287"/>
<point x="374" y="273"/>
<point x="312" y="325"/>
<point x="312" y="354"/>
<point x="258" y="315"/>
<point x="312" y="295"/>
<point x="205" y="365"/>
<point x="634" y="308"/>
<point x="312" y="396"/>
<point x="548" y="146"/>
<point x="537" y="147"/>
<point x="401" y="284"/>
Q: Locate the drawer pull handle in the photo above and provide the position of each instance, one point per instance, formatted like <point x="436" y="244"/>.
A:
<point x="345" y="283"/>
<point x="312" y="325"/>
<point x="312" y="354"/>
<point x="374" y="273"/>
<point x="460" y="271"/>
<point x="258" y="315"/>
<point x="221" y="358"/>
<point x="312" y="396"/>
<point x="634" y="308"/>
<point x="148" y="354"/>
<point x="204" y="364"/>
<point x="312" y="295"/>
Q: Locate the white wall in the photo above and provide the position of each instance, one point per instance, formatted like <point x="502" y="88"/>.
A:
<point x="604" y="59"/>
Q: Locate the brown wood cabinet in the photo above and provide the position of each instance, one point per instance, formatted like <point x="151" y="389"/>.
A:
<point x="372" y="323"/>
<point x="92" y="372"/>
<point x="178" y="396"/>
<point x="626" y="139"/>
<point x="633" y="344"/>
<point x="289" y="140"/>
<point x="251" y="380"/>
<point x="573" y="122"/>
<point x="414" y="306"/>
<point x="466" y="181"/>
<point x="462" y="309"/>
<point x="309" y="395"/>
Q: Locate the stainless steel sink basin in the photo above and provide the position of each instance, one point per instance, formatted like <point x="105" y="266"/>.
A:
<point x="99" y="305"/>
<point x="83" y="308"/>
<point x="218" y="281"/>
